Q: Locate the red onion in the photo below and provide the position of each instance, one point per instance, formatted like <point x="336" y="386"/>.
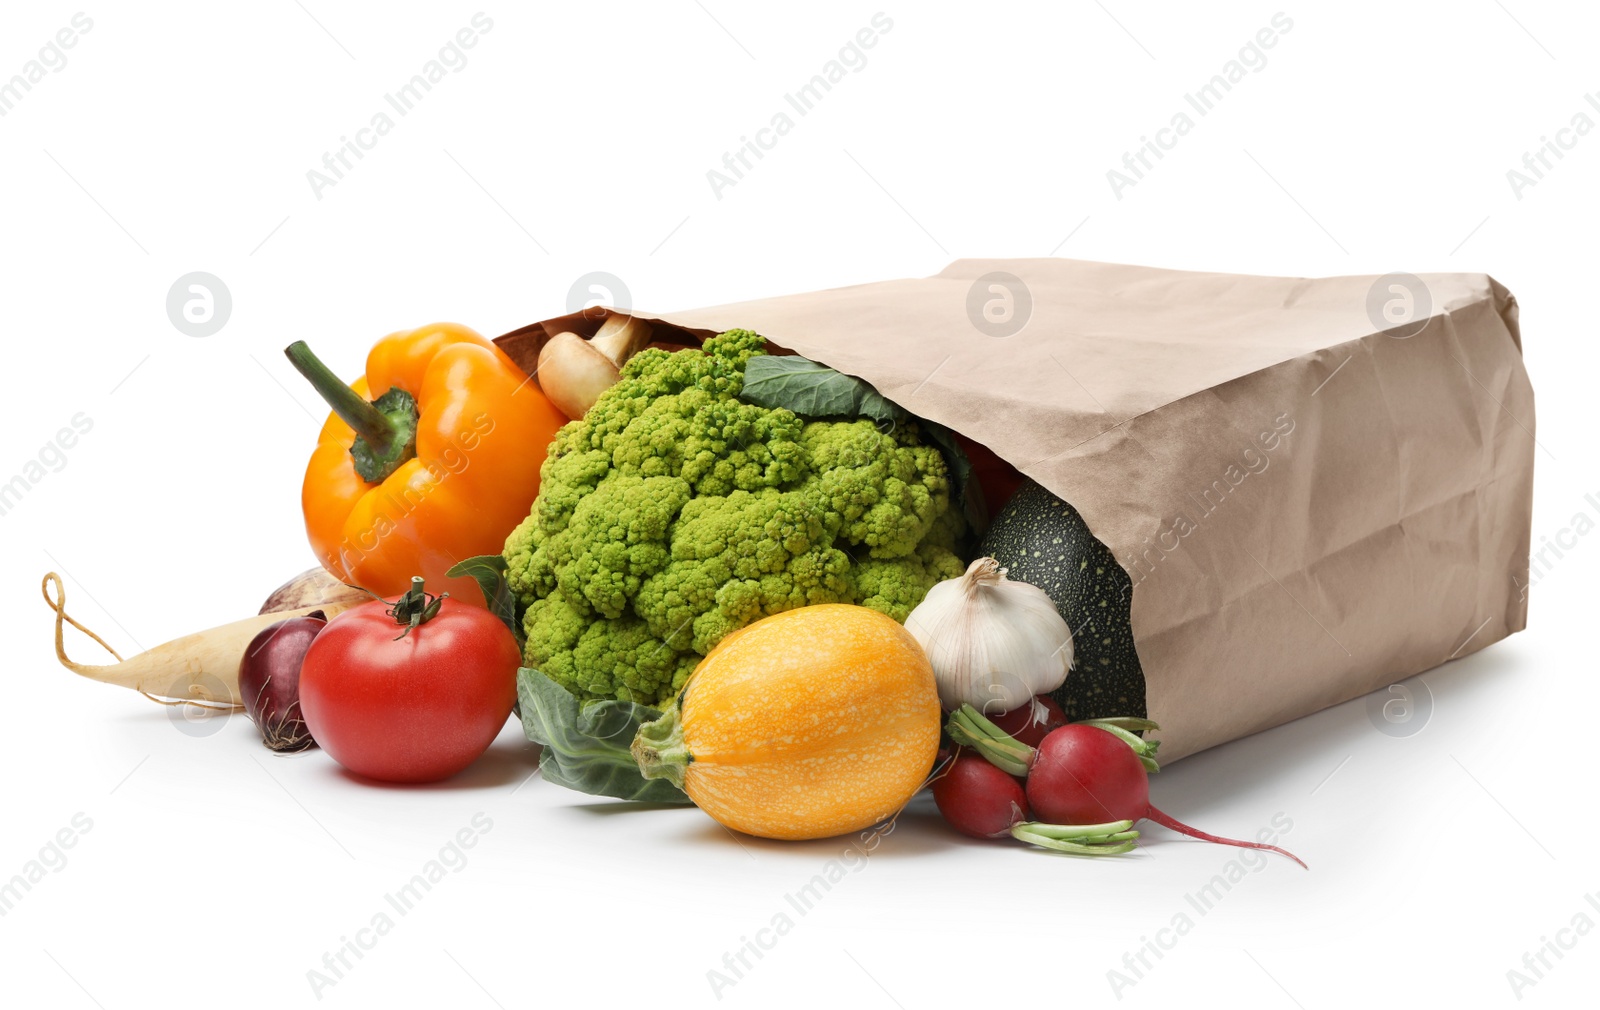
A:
<point x="269" y="681"/>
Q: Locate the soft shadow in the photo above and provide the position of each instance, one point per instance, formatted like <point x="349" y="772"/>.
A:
<point x="611" y="808"/>
<point x="1305" y="751"/>
<point x="918" y="832"/>
<point x="504" y="763"/>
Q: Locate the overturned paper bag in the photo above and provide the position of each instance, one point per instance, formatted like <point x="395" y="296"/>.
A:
<point x="1317" y="487"/>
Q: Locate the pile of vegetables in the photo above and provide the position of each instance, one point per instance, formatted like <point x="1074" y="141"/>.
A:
<point x="204" y="668"/>
<point x="698" y="574"/>
<point x="689" y="502"/>
<point x="439" y="464"/>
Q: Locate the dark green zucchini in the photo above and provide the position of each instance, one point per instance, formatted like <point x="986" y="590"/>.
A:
<point x="1042" y="540"/>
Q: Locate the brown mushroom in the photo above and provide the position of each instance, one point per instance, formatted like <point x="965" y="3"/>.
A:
<point x="573" y="372"/>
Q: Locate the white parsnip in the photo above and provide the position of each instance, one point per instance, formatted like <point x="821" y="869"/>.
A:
<point x="201" y="668"/>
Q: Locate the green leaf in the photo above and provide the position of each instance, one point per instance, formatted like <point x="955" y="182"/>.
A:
<point x="587" y="749"/>
<point x="490" y="572"/>
<point x="811" y="389"/>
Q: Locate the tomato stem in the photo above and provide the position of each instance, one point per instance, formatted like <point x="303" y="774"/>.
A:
<point x="415" y="607"/>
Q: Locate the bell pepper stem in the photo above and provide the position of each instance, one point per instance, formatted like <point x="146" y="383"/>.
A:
<point x="386" y="429"/>
<point x="353" y="409"/>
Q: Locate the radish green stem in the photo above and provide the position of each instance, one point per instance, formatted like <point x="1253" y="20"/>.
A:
<point x="970" y="728"/>
<point x="1046" y="836"/>
<point x="1127" y="722"/>
<point x="1072" y="831"/>
<point x="1142" y="747"/>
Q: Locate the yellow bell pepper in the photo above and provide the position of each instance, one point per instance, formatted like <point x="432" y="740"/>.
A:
<point x="439" y="466"/>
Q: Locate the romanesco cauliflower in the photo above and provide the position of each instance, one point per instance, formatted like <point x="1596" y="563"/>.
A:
<point x="674" y="514"/>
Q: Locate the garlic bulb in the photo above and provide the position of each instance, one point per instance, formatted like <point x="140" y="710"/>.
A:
<point x="993" y="643"/>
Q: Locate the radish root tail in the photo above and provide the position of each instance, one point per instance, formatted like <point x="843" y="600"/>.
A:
<point x="1172" y="823"/>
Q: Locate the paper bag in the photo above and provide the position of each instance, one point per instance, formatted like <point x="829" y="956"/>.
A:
<point x="1317" y="487"/>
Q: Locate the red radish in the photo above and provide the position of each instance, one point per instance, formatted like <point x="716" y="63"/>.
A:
<point x="1083" y="774"/>
<point x="1031" y="723"/>
<point x="979" y="799"/>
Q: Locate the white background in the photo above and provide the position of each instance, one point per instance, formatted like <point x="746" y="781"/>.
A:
<point x="577" y="138"/>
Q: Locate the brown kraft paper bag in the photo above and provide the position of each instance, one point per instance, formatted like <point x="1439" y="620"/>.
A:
<point x="1317" y="487"/>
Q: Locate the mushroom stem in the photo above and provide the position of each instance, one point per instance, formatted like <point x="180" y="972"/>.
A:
<point x="620" y="338"/>
<point x="573" y="372"/>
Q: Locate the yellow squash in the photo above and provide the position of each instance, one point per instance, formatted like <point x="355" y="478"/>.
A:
<point x="810" y="723"/>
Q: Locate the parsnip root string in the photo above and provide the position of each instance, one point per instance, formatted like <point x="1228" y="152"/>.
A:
<point x="202" y="699"/>
<point x="59" y="605"/>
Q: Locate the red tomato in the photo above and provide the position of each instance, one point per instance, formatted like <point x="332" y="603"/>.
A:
<point x="413" y="708"/>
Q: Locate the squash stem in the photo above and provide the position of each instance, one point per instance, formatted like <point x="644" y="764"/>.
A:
<point x="659" y="749"/>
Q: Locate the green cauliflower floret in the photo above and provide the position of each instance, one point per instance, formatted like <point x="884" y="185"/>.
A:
<point x="739" y="558"/>
<point x="674" y="514"/>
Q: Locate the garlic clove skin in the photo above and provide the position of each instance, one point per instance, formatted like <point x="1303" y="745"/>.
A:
<point x="993" y="643"/>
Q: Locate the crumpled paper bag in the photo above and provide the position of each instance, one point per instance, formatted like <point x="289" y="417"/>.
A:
<point x="1317" y="487"/>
